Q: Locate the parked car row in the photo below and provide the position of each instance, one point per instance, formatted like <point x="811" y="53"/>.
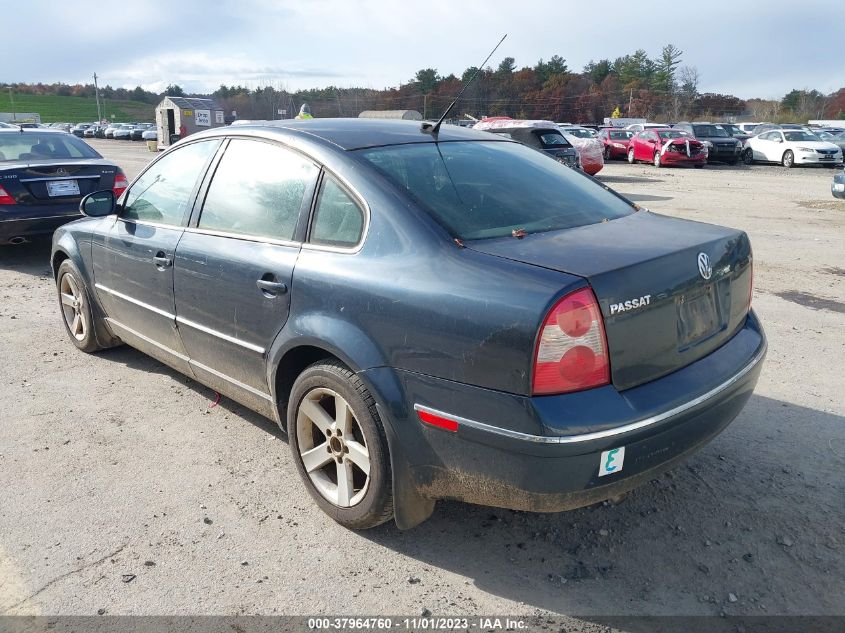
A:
<point x="124" y="131"/>
<point x="786" y="144"/>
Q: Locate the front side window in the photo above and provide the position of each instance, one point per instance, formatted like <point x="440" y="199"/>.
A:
<point x="338" y="220"/>
<point x="480" y="189"/>
<point x="163" y="193"/>
<point x="257" y="190"/>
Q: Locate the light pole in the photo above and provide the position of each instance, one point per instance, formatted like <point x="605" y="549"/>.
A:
<point x="97" y="97"/>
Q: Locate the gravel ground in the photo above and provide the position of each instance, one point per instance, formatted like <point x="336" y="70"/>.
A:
<point x="125" y="491"/>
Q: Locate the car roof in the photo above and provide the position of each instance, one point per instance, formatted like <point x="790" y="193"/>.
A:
<point x="31" y="130"/>
<point x="350" y="134"/>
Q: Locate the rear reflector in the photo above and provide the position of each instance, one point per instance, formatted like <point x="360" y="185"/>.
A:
<point x="5" y="198"/>
<point x="120" y="184"/>
<point x="571" y="350"/>
<point x="438" y="421"/>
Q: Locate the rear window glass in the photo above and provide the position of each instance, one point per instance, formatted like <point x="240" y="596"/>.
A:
<point x="623" y="136"/>
<point x="667" y="134"/>
<point x="551" y="139"/>
<point x="482" y="190"/>
<point x="709" y="130"/>
<point x="35" y="146"/>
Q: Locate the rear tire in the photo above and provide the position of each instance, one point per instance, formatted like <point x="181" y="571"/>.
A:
<point x="75" y="307"/>
<point x="788" y="159"/>
<point x="334" y="427"/>
<point x="631" y="158"/>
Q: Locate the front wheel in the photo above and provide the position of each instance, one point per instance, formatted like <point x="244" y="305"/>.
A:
<point x="657" y="161"/>
<point x="339" y="445"/>
<point x="788" y="159"/>
<point x="748" y="156"/>
<point x="76" y="309"/>
<point x="631" y="156"/>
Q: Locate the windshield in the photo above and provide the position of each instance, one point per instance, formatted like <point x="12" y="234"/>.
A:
<point x="621" y="135"/>
<point x="709" y="130"/>
<point x="732" y="129"/>
<point x="487" y="189"/>
<point x="44" y="146"/>
<point x="800" y="136"/>
<point x="667" y="134"/>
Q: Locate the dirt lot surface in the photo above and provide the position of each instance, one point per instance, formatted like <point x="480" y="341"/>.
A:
<point x="123" y="490"/>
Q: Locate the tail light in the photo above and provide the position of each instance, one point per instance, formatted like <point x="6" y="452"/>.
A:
<point x="120" y="183"/>
<point x="571" y="350"/>
<point x="5" y="198"/>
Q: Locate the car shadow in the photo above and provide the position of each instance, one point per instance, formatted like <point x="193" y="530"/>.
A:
<point x="627" y="179"/>
<point x="134" y="359"/>
<point x="748" y="516"/>
<point x="31" y="258"/>
<point x="641" y="197"/>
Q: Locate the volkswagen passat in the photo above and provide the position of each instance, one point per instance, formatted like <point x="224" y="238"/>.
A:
<point x="450" y="316"/>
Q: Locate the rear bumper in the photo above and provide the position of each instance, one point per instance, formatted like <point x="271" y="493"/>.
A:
<point x="35" y="221"/>
<point x="543" y="454"/>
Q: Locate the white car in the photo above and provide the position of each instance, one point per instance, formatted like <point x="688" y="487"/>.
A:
<point x="150" y="134"/>
<point x="791" y="148"/>
<point x="748" y="127"/>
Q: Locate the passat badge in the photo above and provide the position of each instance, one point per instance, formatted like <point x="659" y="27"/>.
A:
<point x="704" y="266"/>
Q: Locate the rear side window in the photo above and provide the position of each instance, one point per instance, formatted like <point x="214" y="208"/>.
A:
<point x="257" y="190"/>
<point x="485" y="189"/>
<point x="163" y="192"/>
<point x="338" y="220"/>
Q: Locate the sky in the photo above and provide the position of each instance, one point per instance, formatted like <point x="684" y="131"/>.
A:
<point x="755" y="48"/>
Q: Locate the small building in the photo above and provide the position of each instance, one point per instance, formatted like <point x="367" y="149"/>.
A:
<point x="408" y="115"/>
<point x="191" y="113"/>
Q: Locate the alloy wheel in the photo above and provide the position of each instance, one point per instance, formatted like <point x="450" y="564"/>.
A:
<point x="332" y="447"/>
<point x="72" y="306"/>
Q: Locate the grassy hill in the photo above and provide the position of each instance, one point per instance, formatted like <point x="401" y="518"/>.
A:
<point x="53" y="108"/>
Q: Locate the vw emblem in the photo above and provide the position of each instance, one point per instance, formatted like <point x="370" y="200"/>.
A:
<point x="704" y="266"/>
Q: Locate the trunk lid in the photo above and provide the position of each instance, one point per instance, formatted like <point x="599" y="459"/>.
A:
<point x="660" y="313"/>
<point x="53" y="182"/>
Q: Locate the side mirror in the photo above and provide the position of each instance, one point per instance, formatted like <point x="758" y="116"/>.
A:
<point x="98" y="204"/>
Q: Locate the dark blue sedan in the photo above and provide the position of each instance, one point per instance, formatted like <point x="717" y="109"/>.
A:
<point x="429" y="316"/>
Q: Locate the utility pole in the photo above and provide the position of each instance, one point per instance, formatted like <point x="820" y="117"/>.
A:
<point x="630" y="102"/>
<point x="12" y="99"/>
<point x="425" y="106"/>
<point x="97" y="97"/>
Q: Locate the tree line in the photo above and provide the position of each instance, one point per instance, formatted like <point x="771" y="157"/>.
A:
<point x="659" y="88"/>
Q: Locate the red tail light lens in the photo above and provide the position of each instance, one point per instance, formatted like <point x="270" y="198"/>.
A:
<point x="571" y="350"/>
<point x="120" y="184"/>
<point x="5" y="198"/>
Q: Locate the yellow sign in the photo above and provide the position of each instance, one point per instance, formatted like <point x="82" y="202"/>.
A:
<point x="187" y="113"/>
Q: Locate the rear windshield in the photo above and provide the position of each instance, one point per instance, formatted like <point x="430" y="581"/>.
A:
<point x="622" y="136"/>
<point x="709" y="130"/>
<point x="579" y="132"/>
<point x="485" y="189"/>
<point x="35" y="146"/>
<point x="800" y="136"/>
<point x="552" y="139"/>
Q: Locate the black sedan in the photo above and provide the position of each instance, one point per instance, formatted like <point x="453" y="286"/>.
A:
<point x="43" y="176"/>
<point x="429" y="315"/>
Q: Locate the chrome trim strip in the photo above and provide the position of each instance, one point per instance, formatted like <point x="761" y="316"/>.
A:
<point x="51" y="178"/>
<point x="43" y="217"/>
<point x="147" y="339"/>
<point x="193" y="363"/>
<point x="225" y="337"/>
<point x="247" y="237"/>
<point x="231" y="380"/>
<point x="135" y="301"/>
<point x="598" y="435"/>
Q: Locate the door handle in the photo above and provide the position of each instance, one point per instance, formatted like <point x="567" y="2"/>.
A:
<point x="271" y="288"/>
<point x="162" y="261"/>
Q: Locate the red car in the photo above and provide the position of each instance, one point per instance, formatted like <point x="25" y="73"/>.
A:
<point x="616" y="142"/>
<point x="666" y="146"/>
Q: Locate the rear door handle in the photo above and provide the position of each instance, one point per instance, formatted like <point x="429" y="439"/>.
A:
<point x="271" y="288"/>
<point x="162" y="261"/>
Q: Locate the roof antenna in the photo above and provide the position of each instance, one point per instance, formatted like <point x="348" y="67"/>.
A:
<point x="435" y="128"/>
